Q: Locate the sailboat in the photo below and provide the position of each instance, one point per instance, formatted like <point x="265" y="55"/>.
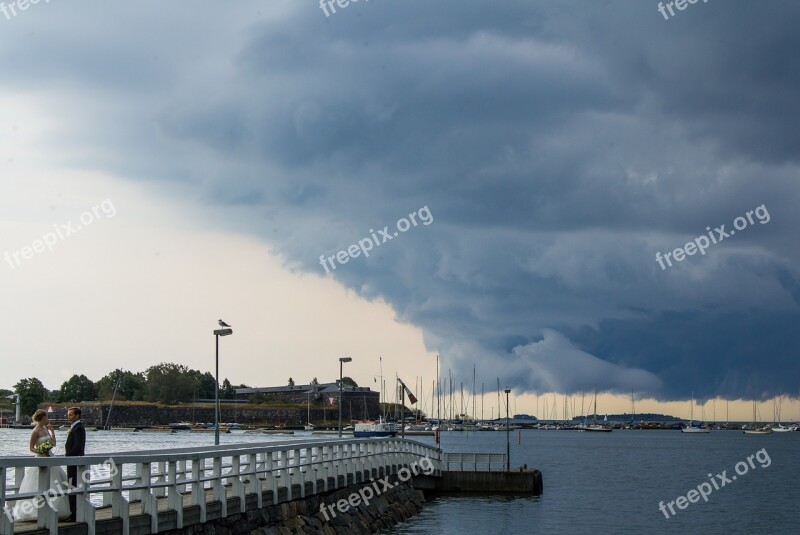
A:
<point x="691" y="428"/>
<point x="756" y="431"/>
<point x="779" y="427"/>
<point x="595" y="427"/>
<point x="309" y="426"/>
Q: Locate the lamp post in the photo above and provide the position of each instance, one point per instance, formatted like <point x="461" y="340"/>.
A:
<point x="508" y="436"/>
<point x="217" y="334"/>
<point x="342" y="360"/>
<point x="15" y="398"/>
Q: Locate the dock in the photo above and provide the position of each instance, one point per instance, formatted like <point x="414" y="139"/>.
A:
<point x="286" y="484"/>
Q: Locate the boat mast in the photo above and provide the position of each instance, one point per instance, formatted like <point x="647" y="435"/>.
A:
<point x="473" y="392"/>
<point x="498" y="397"/>
<point x="438" y="395"/>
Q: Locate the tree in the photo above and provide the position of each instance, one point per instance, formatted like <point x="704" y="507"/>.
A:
<point x="132" y="386"/>
<point x="314" y="381"/>
<point x="291" y="381"/>
<point x="228" y="391"/>
<point x="31" y="392"/>
<point x="349" y="381"/>
<point x="204" y="384"/>
<point x="171" y="383"/>
<point x="77" y="388"/>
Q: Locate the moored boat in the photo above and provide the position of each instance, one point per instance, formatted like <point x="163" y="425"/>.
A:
<point x="373" y="429"/>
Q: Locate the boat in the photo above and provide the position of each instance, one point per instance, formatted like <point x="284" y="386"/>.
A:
<point x="765" y="430"/>
<point x="779" y="427"/>
<point x="309" y="426"/>
<point x="371" y="429"/>
<point x="691" y="428"/>
<point x="595" y="427"/>
<point x="181" y="426"/>
<point x="759" y="431"/>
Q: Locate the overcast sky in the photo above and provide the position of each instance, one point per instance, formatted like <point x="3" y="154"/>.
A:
<point x="554" y="149"/>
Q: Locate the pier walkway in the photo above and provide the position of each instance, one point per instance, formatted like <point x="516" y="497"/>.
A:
<point x="166" y="490"/>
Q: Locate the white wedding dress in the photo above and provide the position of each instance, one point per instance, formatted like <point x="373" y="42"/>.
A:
<point x="30" y="483"/>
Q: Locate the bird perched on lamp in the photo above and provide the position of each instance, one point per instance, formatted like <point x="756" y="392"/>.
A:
<point x="223" y="324"/>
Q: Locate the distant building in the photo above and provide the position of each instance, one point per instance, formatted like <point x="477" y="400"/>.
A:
<point x="358" y="403"/>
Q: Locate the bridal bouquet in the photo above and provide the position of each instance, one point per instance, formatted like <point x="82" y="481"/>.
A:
<point x="45" y="447"/>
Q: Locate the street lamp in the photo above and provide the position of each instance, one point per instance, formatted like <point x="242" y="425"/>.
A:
<point x="508" y="436"/>
<point x="217" y="334"/>
<point x="342" y="360"/>
<point x="15" y="398"/>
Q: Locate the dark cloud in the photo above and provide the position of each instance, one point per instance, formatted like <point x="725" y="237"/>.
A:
<point x="559" y="146"/>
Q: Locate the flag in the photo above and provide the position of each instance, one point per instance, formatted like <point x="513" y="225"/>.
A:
<point x="411" y="398"/>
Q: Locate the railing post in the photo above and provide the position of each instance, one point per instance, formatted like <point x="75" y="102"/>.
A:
<point x="237" y="485"/>
<point x="85" y="509"/>
<point x="120" y="508"/>
<point x="149" y="502"/>
<point x="286" y="476"/>
<point x="174" y="495"/>
<point x="6" y="524"/>
<point x="218" y="490"/>
<point x="161" y="473"/>
<point x="198" y="487"/>
<point x="46" y="516"/>
<point x="253" y="483"/>
<point x="273" y="479"/>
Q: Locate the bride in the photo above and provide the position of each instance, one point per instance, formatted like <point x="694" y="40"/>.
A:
<point x="26" y="509"/>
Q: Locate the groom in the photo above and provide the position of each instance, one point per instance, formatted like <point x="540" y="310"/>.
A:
<point x="75" y="446"/>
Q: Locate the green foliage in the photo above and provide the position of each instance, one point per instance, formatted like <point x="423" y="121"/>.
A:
<point x="204" y="385"/>
<point x="132" y="386"/>
<point x="314" y="381"/>
<point x="228" y="391"/>
<point x="165" y="382"/>
<point x="31" y="392"/>
<point x="349" y="381"/>
<point x="170" y="383"/>
<point x="77" y="388"/>
<point x="291" y="381"/>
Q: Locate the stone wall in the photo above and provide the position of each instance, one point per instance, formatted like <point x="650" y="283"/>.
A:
<point x="95" y="414"/>
<point x="304" y="516"/>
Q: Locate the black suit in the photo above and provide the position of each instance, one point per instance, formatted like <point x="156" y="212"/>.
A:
<point x="75" y="447"/>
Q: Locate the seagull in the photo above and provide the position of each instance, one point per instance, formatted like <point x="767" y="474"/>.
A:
<point x="223" y="324"/>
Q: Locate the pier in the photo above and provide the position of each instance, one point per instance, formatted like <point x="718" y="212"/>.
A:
<point x="181" y="490"/>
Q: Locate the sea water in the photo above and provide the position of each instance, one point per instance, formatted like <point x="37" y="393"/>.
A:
<point x="594" y="483"/>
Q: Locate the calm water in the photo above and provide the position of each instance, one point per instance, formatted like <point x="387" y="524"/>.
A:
<point x="594" y="483"/>
<point x="599" y="483"/>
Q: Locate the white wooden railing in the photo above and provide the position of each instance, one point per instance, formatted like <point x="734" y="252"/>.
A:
<point x="473" y="461"/>
<point x="119" y="479"/>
